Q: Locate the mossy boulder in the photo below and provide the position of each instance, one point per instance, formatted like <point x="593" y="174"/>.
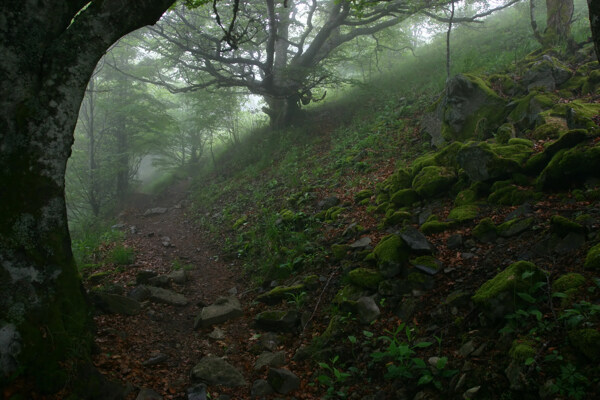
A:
<point x="552" y="129"/>
<point x="592" y="260"/>
<point x="401" y="179"/>
<point x="521" y="350"/>
<point x="463" y="213"/>
<point x="277" y="320"/>
<point x="547" y="74"/>
<point x="481" y="163"/>
<point x="514" y="227"/>
<point x="404" y="198"/>
<point x="567" y="140"/>
<point x="433" y="225"/>
<point x="485" y="231"/>
<point x="241" y="221"/>
<point x="391" y="255"/>
<point x="465" y="197"/>
<point x="567" y="282"/>
<point x="580" y="115"/>
<point x="511" y="195"/>
<point x="363" y="195"/>
<point x="339" y="251"/>
<point x="587" y="341"/>
<point x="428" y="264"/>
<point x="526" y="111"/>
<point x="471" y="109"/>
<point x="518" y="277"/>
<point x="279" y="293"/>
<point x="396" y="218"/>
<point x="563" y="226"/>
<point x="349" y="293"/>
<point x="504" y="133"/>
<point x="365" y="278"/>
<point x="570" y="166"/>
<point x="433" y="181"/>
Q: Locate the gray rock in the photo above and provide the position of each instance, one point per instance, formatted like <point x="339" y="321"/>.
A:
<point x="270" y="360"/>
<point x="269" y="341"/>
<point x="261" y="387"/>
<point x="407" y="308"/>
<point x="569" y="243"/>
<point x="217" y="334"/>
<point x="162" y="281"/>
<point x="223" y="309"/>
<point x="178" y="276"/>
<point x="515" y="228"/>
<point x="159" y="358"/>
<point x="467" y="348"/>
<point x="524" y="210"/>
<point x="278" y="321"/>
<point x="159" y="295"/>
<point x="118" y="226"/>
<point x="546" y="74"/>
<point x="361" y="243"/>
<point x="116" y="304"/>
<point x="367" y="310"/>
<point x="166" y="241"/>
<point x="155" y="211"/>
<point x="197" y="392"/>
<point x="329" y="202"/>
<point x="216" y="371"/>
<point x="139" y="293"/>
<point x="143" y="276"/>
<point x="416" y="240"/>
<point x="516" y="377"/>
<point x="283" y="381"/>
<point x="454" y="242"/>
<point x="148" y="394"/>
<point x="470" y="393"/>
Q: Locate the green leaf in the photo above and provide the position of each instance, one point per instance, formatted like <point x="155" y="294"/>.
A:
<point x="425" y="379"/>
<point x="422" y="345"/>
<point x="368" y="334"/>
<point x="560" y="295"/>
<point x="527" y="297"/>
<point x="352" y="339"/>
<point x="527" y="274"/>
<point x="529" y="361"/>
<point x="419" y="363"/>
<point x="441" y="364"/>
<point x="537" y="313"/>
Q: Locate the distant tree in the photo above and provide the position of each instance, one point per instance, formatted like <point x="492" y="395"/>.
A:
<point x="559" y="16"/>
<point x="594" y="12"/>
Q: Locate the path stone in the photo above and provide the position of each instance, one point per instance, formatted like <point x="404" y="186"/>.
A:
<point x="223" y="309"/>
<point x="197" y="392"/>
<point x="278" y="321"/>
<point x="416" y="240"/>
<point x="143" y="276"/>
<point x="148" y="394"/>
<point x="139" y="293"/>
<point x="361" y="243"/>
<point x="162" y="281"/>
<point x="155" y="211"/>
<point x="261" y="387"/>
<point x="178" y="276"/>
<point x="283" y="380"/>
<point x="116" y="304"/>
<point x="270" y="360"/>
<point x="367" y="310"/>
<point x="217" y="334"/>
<point x="165" y="296"/>
<point x="216" y="371"/>
<point x="159" y="358"/>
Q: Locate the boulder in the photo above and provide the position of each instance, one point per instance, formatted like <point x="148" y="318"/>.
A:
<point x="279" y="293"/>
<point x="404" y="198"/>
<point x="261" y="388"/>
<point x="365" y="278"/>
<point x="223" y="309"/>
<point x="547" y="74"/>
<point x="592" y="260"/>
<point x="270" y="359"/>
<point x="140" y="293"/>
<point x="526" y="112"/>
<point x="427" y="264"/>
<point x="277" y="320"/>
<point x="216" y="371"/>
<point x="433" y="181"/>
<point x="283" y="381"/>
<point x="148" y="394"/>
<point x="115" y="304"/>
<point x="463" y="213"/>
<point x="165" y="296"/>
<point x="391" y="255"/>
<point x="570" y="166"/>
<point x="367" y="310"/>
<point x="415" y="240"/>
<point x="482" y="163"/>
<point x="514" y="227"/>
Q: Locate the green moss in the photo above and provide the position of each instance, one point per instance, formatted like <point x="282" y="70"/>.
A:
<point x="526" y="110"/>
<point x="568" y="281"/>
<point x="311" y="281"/>
<point x="333" y="213"/>
<point x="287" y="215"/>
<point x="511" y="196"/>
<point x="522" y="350"/>
<point x="563" y="226"/>
<point x="418" y="278"/>
<point x="485" y="231"/>
<point x="510" y="280"/>
<point x="427" y="261"/>
<point x="434" y="226"/>
<point x="382" y="198"/>
<point x="404" y="197"/>
<point x="391" y="254"/>
<point x="365" y="277"/>
<point x="519" y="141"/>
<point x="505" y="133"/>
<point x="587" y="341"/>
<point x="517" y="152"/>
<point x="334" y="328"/>
<point x="581" y="114"/>
<point x="339" y="251"/>
<point x="536" y="163"/>
<point x="549" y="130"/>
<point x="348" y="292"/>
<point x="465" y="197"/>
<point x="570" y="166"/>
<point x="122" y="255"/>
<point x="363" y="195"/>
<point x="401" y="179"/>
<point x="426" y="160"/>
<point x="279" y="293"/>
<point x="482" y="162"/>
<point x="566" y="140"/>
<point x="433" y="181"/>
<point x="592" y="260"/>
<point x="463" y="213"/>
<point x="240" y="221"/>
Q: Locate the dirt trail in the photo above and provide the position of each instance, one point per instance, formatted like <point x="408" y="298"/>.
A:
<point x="129" y="345"/>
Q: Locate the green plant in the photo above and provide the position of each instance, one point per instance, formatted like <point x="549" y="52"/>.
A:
<point x="121" y="255"/>
<point x="178" y="264"/>
<point x="582" y="313"/>
<point x="332" y="378"/>
<point x="529" y="309"/>
<point x="570" y="382"/>
<point x="434" y="375"/>
<point x="297" y="299"/>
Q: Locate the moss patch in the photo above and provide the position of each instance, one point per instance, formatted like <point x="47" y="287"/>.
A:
<point x="563" y="226"/>
<point x="363" y="195"/>
<point x="404" y="197"/>
<point x="365" y="277"/>
<point x="568" y="281"/>
<point x="570" y="166"/>
<point x="433" y="181"/>
<point x="522" y="350"/>
<point x="434" y="226"/>
<point x="511" y="280"/>
<point x="485" y="231"/>
<point x="592" y="260"/>
<point x="587" y="341"/>
<point x="279" y="293"/>
<point x="391" y="254"/>
<point x="514" y="227"/>
<point x="463" y="213"/>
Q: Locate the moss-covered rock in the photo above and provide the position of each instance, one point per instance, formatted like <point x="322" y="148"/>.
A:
<point x="563" y="226"/>
<point x="396" y="218"/>
<point x="518" y="277"/>
<point x="349" y="293"/>
<point x="391" y="255"/>
<point x="505" y="133"/>
<point x="566" y="140"/>
<point x="277" y="320"/>
<point x="550" y="130"/>
<point x="527" y="110"/>
<point x="433" y="181"/>
<point x="592" y="260"/>
<point x="568" y="281"/>
<point x="463" y="213"/>
<point x="430" y="262"/>
<point x="240" y="222"/>
<point x="279" y="293"/>
<point x="433" y="225"/>
<point x="511" y="195"/>
<point x="365" y="278"/>
<point x="587" y="341"/>
<point x="401" y="179"/>
<point x="363" y="195"/>
<point x="570" y="166"/>
<point x="339" y="251"/>
<point x="580" y="115"/>
<point x="465" y="197"/>
<point x="514" y="227"/>
<point x="404" y="197"/>
<point x="485" y="231"/>
<point x="481" y="163"/>
<point x="521" y="350"/>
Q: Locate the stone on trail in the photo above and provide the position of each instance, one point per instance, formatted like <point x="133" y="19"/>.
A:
<point x="197" y="392"/>
<point x="116" y="304"/>
<point x="260" y="388"/>
<point x="270" y="359"/>
<point x="223" y="309"/>
<point x="178" y="276"/>
<point x="283" y="380"/>
<point x="139" y="293"/>
<point x="217" y="334"/>
<point x="155" y="211"/>
<point x="277" y="320"/>
<point x="148" y="394"/>
<point x="159" y="295"/>
<point x="216" y="371"/>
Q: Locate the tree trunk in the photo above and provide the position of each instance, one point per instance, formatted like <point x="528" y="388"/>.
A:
<point x="49" y="51"/>
<point x="559" y="18"/>
<point x="282" y="111"/>
<point x="594" y="10"/>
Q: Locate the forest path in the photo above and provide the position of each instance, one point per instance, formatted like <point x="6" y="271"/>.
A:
<point x="157" y="348"/>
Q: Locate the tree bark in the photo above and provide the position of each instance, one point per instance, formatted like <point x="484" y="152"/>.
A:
<point x="559" y="18"/>
<point x="49" y="51"/>
<point x="594" y="11"/>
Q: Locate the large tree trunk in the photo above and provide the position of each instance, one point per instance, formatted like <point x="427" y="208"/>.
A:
<point x="282" y="111"/>
<point x="594" y="10"/>
<point x="49" y="50"/>
<point x="558" y="22"/>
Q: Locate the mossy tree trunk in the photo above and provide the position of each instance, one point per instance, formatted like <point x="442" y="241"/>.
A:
<point x="49" y="51"/>
<point x="594" y="11"/>
<point x="558" y="22"/>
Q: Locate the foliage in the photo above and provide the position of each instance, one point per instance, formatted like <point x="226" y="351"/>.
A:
<point x="333" y="378"/>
